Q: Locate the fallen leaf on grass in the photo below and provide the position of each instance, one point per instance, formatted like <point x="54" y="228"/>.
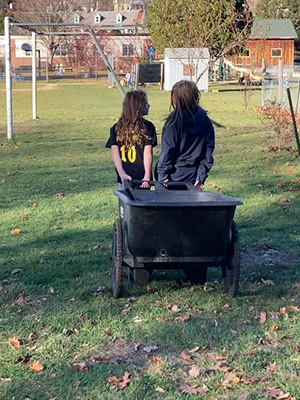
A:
<point x="183" y="318"/>
<point x="243" y="396"/>
<point x="162" y="319"/>
<point x="80" y="366"/>
<point x="13" y="342"/>
<point x="261" y="316"/>
<point x="34" y="205"/>
<point x="154" y="360"/>
<point x="36" y="366"/>
<point x="194" y="350"/>
<point x="30" y="337"/>
<point x="194" y="372"/>
<point x="267" y="282"/>
<point x="208" y="289"/>
<point x="125" y="311"/>
<point x="15" y="231"/>
<point x="3" y="180"/>
<point x="274" y="328"/>
<point x="59" y="194"/>
<point x="218" y="357"/>
<point x="21" y="298"/>
<point x="231" y="377"/>
<point x="185" y="388"/>
<point x="186" y="356"/>
<point x="272" y="367"/>
<point x="294" y="308"/>
<point x="275" y="393"/>
<point x="219" y="367"/>
<point x="53" y="376"/>
<point x="100" y="358"/>
<point x="137" y="320"/>
<point x="120" y="383"/>
<point x="84" y="317"/>
<point x="160" y="390"/>
<point x="175" y="308"/>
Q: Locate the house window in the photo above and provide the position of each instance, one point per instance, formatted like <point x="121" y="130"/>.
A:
<point x="97" y="19"/>
<point x="127" y="50"/>
<point x="276" y="52"/>
<point x="245" y="53"/>
<point x="61" y="51"/>
<point x="76" y="19"/>
<point x="188" y="70"/>
<point x="27" y="52"/>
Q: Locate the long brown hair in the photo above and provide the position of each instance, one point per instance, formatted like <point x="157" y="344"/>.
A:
<point x="130" y="127"/>
<point x="185" y="96"/>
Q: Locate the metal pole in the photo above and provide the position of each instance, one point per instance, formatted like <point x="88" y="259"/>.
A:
<point x="298" y="94"/>
<point x="293" y="119"/>
<point x="109" y="67"/>
<point x="8" y="78"/>
<point x="33" y="75"/>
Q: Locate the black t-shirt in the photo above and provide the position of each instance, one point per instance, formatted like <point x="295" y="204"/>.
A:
<point x="133" y="158"/>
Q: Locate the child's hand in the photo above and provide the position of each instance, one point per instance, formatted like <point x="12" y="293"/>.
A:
<point x="199" y="185"/>
<point x="145" y="185"/>
<point x="125" y="177"/>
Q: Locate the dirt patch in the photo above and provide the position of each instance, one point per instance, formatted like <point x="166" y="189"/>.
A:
<point x="269" y="258"/>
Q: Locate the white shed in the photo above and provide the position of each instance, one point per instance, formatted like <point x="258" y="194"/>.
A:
<point x="186" y="63"/>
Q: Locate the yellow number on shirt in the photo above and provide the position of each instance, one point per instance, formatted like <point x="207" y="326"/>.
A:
<point x="131" y="154"/>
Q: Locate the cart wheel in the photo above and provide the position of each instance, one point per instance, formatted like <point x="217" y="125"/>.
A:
<point x="117" y="260"/>
<point x="231" y="280"/>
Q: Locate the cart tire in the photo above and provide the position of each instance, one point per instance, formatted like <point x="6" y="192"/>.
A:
<point x="117" y="260"/>
<point x="231" y="280"/>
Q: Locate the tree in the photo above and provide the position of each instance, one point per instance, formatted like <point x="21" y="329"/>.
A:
<point x="221" y="26"/>
<point x="46" y="11"/>
<point x="280" y="9"/>
<point x="4" y="12"/>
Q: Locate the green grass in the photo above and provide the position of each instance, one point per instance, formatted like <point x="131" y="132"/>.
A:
<point x="64" y="245"/>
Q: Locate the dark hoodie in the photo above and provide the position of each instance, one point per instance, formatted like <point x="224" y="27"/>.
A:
<point x="187" y="147"/>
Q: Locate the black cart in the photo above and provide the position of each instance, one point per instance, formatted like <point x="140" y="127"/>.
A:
<point x="174" y="227"/>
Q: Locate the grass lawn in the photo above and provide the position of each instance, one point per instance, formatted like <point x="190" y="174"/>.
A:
<point x="57" y="211"/>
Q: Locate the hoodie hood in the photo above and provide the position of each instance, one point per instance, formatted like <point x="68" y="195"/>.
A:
<point x="193" y="122"/>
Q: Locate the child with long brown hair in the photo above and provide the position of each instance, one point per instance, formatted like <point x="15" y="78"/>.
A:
<point x="132" y="139"/>
<point x="188" y="139"/>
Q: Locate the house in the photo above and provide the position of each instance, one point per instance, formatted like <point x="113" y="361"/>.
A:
<point x="271" y="40"/>
<point x="120" y="35"/>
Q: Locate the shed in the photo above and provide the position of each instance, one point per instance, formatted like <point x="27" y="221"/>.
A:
<point x="186" y="63"/>
<point x="271" y="40"/>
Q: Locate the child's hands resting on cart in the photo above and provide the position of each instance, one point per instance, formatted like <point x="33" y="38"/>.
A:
<point x="199" y="185"/>
<point x="145" y="184"/>
<point x="125" y="177"/>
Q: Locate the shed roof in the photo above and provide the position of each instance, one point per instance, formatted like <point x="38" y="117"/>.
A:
<point x="273" y="29"/>
<point x="183" y="52"/>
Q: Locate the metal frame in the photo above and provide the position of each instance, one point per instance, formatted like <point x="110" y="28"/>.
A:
<point x="8" y="22"/>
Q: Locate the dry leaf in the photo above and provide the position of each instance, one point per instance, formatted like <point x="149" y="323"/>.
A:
<point x="218" y="357"/>
<point x="175" y="309"/>
<point x="160" y="390"/>
<point x="267" y="282"/>
<point x="137" y="320"/>
<point x="125" y="311"/>
<point x="185" y="388"/>
<point x="3" y="180"/>
<point x="274" y="328"/>
<point x="243" y="396"/>
<point x="155" y="360"/>
<point x="34" y="205"/>
<point x="294" y="308"/>
<point x="194" y="372"/>
<point x="121" y="383"/>
<point x="220" y="367"/>
<point x="183" y="318"/>
<point x="186" y="356"/>
<point x="272" y="366"/>
<point x="275" y="393"/>
<point x="53" y="376"/>
<point x="13" y="342"/>
<point x="60" y="194"/>
<point x="231" y="377"/>
<point x="100" y="358"/>
<point x="15" y="231"/>
<point x="21" y="298"/>
<point x="262" y="317"/>
<point x="208" y="289"/>
<point x="80" y="366"/>
<point x="36" y="367"/>
<point x="162" y="319"/>
<point x="194" y="350"/>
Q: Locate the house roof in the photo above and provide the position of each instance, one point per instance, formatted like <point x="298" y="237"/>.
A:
<point x="130" y="18"/>
<point x="180" y="53"/>
<point x="273" y="29"/>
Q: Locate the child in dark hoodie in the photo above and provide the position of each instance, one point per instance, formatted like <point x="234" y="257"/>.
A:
<point x="188" y="139"/>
